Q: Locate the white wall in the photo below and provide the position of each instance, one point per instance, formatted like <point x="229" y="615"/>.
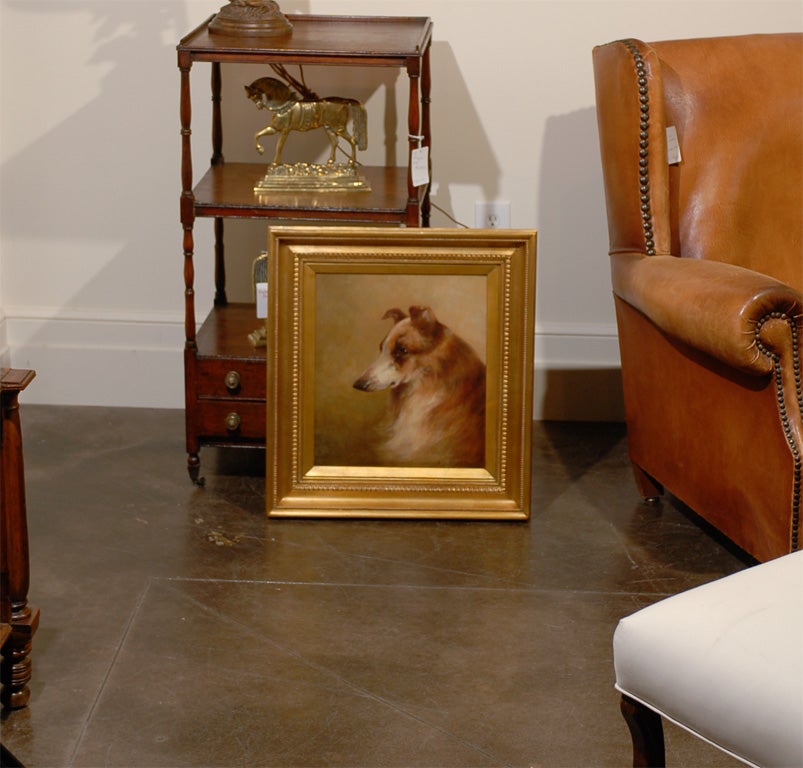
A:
<point x="91" y="280"/>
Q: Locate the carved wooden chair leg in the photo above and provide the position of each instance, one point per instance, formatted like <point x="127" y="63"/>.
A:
<point x="647" y="733"/>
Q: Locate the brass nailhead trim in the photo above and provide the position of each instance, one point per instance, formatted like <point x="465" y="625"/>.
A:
<point x="787" y="427"/>
<point x="644" y="125"/>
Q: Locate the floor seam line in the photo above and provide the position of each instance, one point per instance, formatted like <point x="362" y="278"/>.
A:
<point x="355" y="687"/>
<point x="411" y="587"/>
<point x="102" y="687"/>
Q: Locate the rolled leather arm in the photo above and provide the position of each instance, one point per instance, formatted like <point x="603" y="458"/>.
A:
<point x="720" y="309"/>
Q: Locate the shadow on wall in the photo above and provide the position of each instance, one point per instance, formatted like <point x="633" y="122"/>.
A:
<point x="91" y="203"/>
<point x="461" y="151"/>
<point x="104" y="179"/>
<point x="574" y="277"/>
<point x="83" y="171"/>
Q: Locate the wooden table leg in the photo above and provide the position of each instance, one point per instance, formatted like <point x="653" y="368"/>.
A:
<point x="23" y="619"/>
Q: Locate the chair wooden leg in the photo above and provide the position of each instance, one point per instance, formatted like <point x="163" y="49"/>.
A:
<point x="7" y="760"/>
<point x="648" y="487"/>
<point x="647" y="733"/>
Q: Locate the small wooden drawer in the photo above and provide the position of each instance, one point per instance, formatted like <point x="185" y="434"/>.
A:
<point x="222" y="378"/>
<point x="231" y="420"/>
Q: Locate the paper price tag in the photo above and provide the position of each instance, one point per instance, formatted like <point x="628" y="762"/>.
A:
<point x="262" y="300"/>
<point x="419" y="166"/>
<point x="672" y="145"/>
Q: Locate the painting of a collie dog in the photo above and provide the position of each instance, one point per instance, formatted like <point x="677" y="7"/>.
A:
<point x="436" y="385"/>
<point x="420" y="411"/>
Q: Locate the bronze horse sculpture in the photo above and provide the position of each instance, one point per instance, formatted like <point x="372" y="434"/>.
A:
<point x="289" y="112"/>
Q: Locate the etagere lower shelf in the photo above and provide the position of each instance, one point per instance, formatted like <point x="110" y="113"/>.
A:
<point x="227" y="190"/>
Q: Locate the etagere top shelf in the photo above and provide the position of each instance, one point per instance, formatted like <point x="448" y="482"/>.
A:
<point x="369" y="40"/>
<point x="226" y="189"/>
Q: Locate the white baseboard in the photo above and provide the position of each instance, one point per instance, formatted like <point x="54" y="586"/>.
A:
<point x="96" y="358"/>
<point x="133" y="360"/>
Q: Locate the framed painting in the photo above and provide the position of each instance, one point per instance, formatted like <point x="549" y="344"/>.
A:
<point x="400" y="372"/>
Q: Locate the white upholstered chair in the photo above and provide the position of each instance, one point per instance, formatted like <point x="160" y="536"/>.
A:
<point x="724" y="661"/>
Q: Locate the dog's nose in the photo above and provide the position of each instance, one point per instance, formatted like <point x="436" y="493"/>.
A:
<point x="361" y="384"/>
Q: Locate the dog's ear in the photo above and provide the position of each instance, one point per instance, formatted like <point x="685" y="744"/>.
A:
<point x="395" y="314"/>
<point x="424" y="320"/>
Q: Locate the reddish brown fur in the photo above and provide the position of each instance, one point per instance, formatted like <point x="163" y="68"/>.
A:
<point x="437" y="393"/>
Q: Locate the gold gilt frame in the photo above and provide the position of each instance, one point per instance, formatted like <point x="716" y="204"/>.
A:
<point x="329" y="453"/>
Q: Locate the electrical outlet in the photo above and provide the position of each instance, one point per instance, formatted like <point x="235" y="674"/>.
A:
<point x="492" y="215"/>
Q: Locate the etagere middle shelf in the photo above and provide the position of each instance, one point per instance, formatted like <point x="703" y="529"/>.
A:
<point x="224" y="375"/>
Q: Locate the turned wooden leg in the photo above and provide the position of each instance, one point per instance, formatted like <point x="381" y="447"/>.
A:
<point x="15" y="667"/>
<point x="194" y="469"/>
<point x="648" y="487"/>
<point x="647" y="733"/>
<point x="21" y="619"/>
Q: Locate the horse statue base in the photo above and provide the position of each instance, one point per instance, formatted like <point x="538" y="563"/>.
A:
<point x="312" y="177"/>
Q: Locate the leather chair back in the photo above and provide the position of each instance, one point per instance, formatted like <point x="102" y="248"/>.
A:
<point x="737" y="194"/>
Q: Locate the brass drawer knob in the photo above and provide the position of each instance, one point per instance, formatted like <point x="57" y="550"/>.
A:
<point x="232" y="381"/>
<point x="233" y="421"/>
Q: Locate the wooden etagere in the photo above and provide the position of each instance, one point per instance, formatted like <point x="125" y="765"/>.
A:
<point x="224" y="375"/>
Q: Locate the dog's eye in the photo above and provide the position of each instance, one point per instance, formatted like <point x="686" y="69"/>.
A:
<point x="399" y="352"/>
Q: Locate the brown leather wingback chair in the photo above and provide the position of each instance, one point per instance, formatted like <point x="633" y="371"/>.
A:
<point x="707" y="270"/>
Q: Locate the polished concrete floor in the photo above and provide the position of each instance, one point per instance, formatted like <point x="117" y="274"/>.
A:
<point x="180" y="627"/>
